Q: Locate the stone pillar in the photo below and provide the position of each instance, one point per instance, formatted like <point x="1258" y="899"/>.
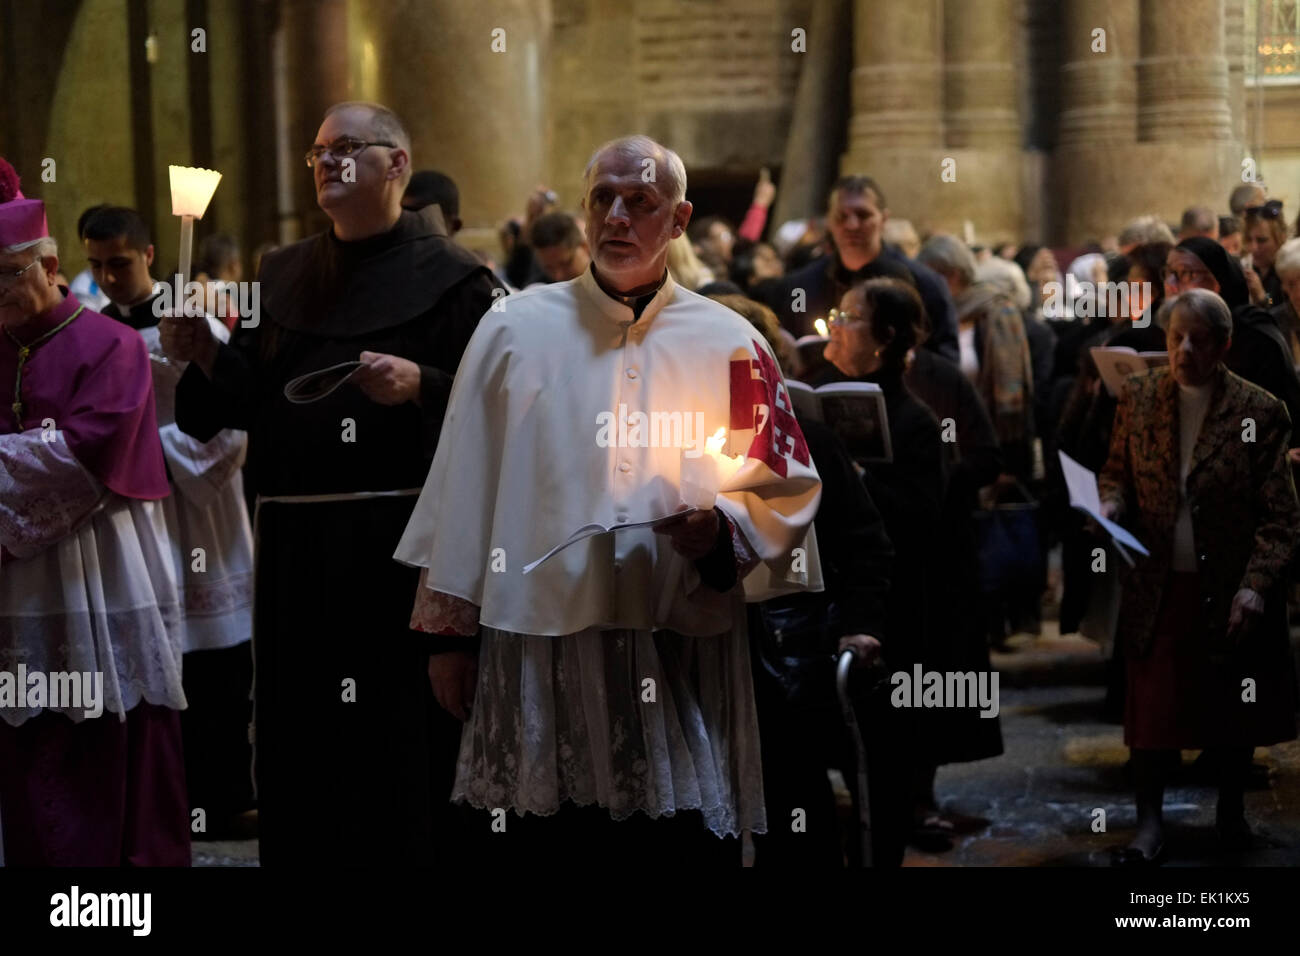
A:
<point x="896" y="130"/>
<point x="897" y="89"/>
<point x="981" y="121"/>
<point x="314" y="34"/>
<point x="1099" y="89"/>
<point x="1179" y="150"/>
<point x="1183" y="74"/>
<point x="809" y="165"/>
<point x="475" y="111"/>
<point x="1234" y="48"/>
<point x="979" y="75"/>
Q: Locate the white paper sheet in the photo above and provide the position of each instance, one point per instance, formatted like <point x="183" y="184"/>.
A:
<point x="1082" y="486"/>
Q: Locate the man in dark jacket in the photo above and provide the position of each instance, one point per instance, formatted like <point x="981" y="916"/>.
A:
<point x="856" y="218"/>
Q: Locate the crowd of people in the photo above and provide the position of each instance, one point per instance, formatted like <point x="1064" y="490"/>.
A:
<point x="335" y="590"/>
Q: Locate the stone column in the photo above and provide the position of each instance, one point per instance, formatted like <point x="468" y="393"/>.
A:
<point x="896" y="130"/>
<point x="1099" y="89"/>
<point x="897" y="75"/>
<point x="1234" y="48"/>
<point x="982" y="121"/>
<point x="475" y="109"/>
<point x="1183" y="73"/>
<point x="314" y="34"/>
<point x="809" y="164"/>
<point x="979" y="75"/>
<point x="1177" y="151"/>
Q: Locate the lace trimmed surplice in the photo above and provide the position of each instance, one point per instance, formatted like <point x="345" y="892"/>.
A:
<point x="628" y="720"/>
<point x="87" y="581"/>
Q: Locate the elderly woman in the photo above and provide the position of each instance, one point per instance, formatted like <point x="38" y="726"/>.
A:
<point x="994" y="348"/>
<point x="1287" y="312"/>
<point x="877" y="323"/>
<point x="1198" y="471"/>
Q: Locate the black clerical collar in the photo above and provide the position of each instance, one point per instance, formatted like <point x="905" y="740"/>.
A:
<point x="637" y="303"/>
<point x="138" y="316"/>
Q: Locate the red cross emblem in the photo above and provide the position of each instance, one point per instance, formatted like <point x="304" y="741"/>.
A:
<point x="760" y="402"/>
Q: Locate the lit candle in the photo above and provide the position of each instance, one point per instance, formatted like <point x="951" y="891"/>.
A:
<point x="192" y="190"/>
<point x="820" y="326"/>
<point x="703" y="476"/>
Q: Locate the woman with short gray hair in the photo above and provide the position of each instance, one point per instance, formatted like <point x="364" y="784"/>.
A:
<point x="1287" y="311"/>
<point x="1198" y="472"/>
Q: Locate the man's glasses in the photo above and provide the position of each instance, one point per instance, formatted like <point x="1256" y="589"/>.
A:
<point x="1182" y="276"/>
<point x="8" y="278"/>
<point x="340" y="149"/>
<point x="1270" y="210"/>
<point x="840" y="319"/>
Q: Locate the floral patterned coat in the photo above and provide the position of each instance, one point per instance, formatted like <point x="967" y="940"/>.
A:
<point x="1245" y="515"/>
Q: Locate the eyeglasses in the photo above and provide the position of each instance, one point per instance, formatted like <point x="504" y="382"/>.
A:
<point x="7" y="278"/>
<point x="840" y="319"/>
<point x="341" y="148"/>
<point x="1182" y="276"/>
<point x="1270" y="210"/>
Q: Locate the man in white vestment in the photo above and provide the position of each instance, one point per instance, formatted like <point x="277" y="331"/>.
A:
<point x="606" y="691"/>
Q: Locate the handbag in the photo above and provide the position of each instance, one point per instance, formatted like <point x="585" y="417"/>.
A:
<point x="1008" y="540"/>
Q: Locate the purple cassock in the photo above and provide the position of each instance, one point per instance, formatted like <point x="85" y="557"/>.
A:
<point x="86" y="587"/>
<point x="92" y="380"/>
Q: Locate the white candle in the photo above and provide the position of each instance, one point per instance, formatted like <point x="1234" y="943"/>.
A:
<point x="702" y="476"/>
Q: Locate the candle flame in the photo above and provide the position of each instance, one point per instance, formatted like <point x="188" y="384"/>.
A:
<point x="713" y="444"/>
<point x="820" y="325"/>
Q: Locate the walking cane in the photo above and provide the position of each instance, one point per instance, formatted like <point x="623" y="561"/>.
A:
<point x="842" y="670"/>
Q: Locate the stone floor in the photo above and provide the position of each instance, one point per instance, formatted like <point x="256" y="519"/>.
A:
<point x="1062" y="762"/>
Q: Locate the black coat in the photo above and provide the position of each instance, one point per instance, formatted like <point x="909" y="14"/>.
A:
<point x="824" y="282"/>
<point x="909" y="491"/>
<point x="957" y="641"/>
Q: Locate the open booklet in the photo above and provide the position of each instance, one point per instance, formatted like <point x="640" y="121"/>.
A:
<point x="1084" y="496"/>
<point x="1117" y="362"/>
<point x="591" y="530"/>
<point x="314" y="386"/>
<point x="855" y="411"/>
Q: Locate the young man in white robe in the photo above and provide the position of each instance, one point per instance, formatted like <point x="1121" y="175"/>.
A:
<point x="212" y="539"/>
<point x="608" y="701"/>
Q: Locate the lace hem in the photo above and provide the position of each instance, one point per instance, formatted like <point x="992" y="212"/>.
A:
<point x="626" y="720"/>
<point x="436" y="612"/>
<point x="44" y="492"/>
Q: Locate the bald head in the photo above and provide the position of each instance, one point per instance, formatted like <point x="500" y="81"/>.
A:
<point x="635" y="206"/>
<point x="659" y="165"/>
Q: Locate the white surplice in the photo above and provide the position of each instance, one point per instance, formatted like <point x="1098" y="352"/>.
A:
<point x="563" y="710"/>
<point x="206" y="510"/>
<point x="91" y="586"/>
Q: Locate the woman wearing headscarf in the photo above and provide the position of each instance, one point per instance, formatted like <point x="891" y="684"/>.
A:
<point x="1203" y="619"/>
<point x="1260" y="352"/>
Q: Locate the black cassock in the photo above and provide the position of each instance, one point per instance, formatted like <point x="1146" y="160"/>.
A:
<point x="354" y="758"/>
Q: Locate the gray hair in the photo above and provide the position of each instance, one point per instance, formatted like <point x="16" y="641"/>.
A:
<point x="43" y="247"/>
<point x="948" y="256"/>
<point x="1007" y="277"/>
<point x="1206" y="306"/>
<point x="670" y="171"/>
<point x="1199" y="219"/>
<point x="384" y="124"/>
<point x="1287" y="261"/>
<point x="1143" y="230"/>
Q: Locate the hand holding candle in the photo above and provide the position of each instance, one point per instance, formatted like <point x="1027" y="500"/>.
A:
<point x="703" y="475"/>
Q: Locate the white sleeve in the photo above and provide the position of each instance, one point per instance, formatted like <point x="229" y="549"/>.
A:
<point x="45" y="493"/>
